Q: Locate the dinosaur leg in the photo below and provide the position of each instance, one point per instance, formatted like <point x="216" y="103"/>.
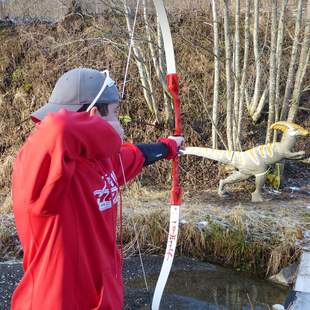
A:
<point x="259" y="182"/>
<point x="237" y="176"/>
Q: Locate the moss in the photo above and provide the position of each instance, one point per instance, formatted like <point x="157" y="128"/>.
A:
<point x="228" y="245"/>
<point x="305" y="216"/>
<point x="27" y="87"/>
<point x="17" y="75"/>
<point x="19" y="79"/>
<point x="233" y="247"/>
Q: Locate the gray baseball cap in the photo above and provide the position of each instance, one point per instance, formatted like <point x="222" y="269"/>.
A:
<point x="76" y="88"/>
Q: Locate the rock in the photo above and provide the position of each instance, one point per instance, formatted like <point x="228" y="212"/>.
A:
<point x="6" y="22"/>
<point x="183" y="222"/>
<point x="299" y="233"/>
<point x="307" y="234"/>
<point x="286" y="276"/>
<point x="202" y="225"/>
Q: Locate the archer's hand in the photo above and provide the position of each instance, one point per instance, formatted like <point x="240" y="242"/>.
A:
<point x="179" y="140"/>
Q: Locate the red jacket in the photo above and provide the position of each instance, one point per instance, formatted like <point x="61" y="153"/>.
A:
<point x="65" y="188"/>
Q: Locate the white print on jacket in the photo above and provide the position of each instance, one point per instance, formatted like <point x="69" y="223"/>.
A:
<point x="108" y="194"/>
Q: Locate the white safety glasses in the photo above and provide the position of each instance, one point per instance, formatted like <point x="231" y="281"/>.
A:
<point x="108" y="82"/>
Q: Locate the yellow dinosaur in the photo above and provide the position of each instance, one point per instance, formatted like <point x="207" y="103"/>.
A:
<point x="255" y="161"/>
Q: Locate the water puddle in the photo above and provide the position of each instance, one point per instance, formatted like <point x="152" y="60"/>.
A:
<point x="221" y="289"/>
<point x="192" y="285"/>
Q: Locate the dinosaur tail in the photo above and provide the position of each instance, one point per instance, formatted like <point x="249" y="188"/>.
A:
<point x="221" y="156"/>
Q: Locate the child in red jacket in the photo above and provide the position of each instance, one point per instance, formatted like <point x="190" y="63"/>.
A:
<point x="65" y="189"/>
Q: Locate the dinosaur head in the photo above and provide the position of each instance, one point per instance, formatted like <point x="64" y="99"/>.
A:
<point x="290" y="128"/>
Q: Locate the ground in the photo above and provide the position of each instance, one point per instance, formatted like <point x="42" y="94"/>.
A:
<point x="191" y="285"/>
<point x="258" y="237"/>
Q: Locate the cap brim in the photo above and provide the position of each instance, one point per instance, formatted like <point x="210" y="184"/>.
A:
<point x="52" y="107"/>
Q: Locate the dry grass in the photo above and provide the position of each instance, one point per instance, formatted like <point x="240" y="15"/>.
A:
<point x="240" y="235"/>
<point x="9" y="244"/>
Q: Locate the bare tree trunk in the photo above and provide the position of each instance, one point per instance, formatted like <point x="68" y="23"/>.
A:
<point x="291" y="71"/>
<point x="256" y="104"/>
<point x="261" y="105"/>
<point x="298" y="90"/>
<point x="228" y="61"/>
<point x="74" y="7"/>
<point x="257" y="89"/>
<point x="245" y="66"/>
<point x="237" y="75"/>
<point x="279" y="58"/>
<point x="272" y="69"/>
<point x="2" y="10"/>
<point x="302" y="68"/>
<point x="216" y="51"/>
<point x="155" y="58"/>
<point x="150" y="40"/>
<point x="143" y="70"/>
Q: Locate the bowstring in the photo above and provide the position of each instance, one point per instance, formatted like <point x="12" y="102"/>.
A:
<point x="122" y="96"/>
<point x="136" y="234"/>
<point x="130" y="48"/>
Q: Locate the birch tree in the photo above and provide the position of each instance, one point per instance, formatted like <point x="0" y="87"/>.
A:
<point x="272" y="69"/>
<point x="217" y="64"/>
<point x="279" y="53"/>
<point x="302" y="67"/>
<point x="228" y="61"/>
<point x="257" y="89"/>
<point x="236" y="74"/>
<point x="293" y="60"/>
<point x="256" y="104"/>
<point x="245" y="66"/>
<point x="144" y="73"/>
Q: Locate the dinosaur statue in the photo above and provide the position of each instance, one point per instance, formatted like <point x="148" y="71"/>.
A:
<point x="255" y="161"/>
